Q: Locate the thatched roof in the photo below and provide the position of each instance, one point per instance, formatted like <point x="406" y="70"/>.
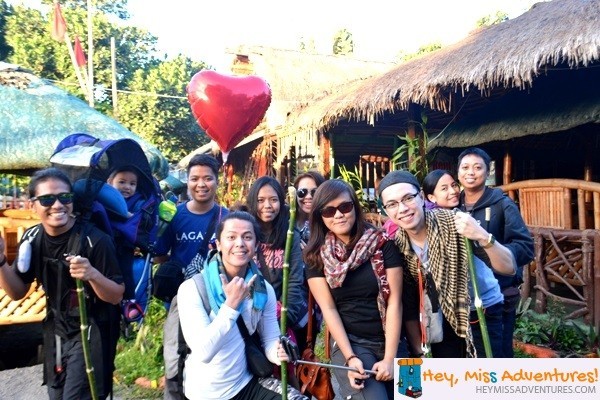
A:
<point x="555" y="103"/>
<point x="299" y="77"/>
<point x="36" y="115"/>
<point x="511" y="54"/>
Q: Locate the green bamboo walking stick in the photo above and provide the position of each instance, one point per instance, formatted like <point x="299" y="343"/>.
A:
<point x="478" y="303"/>
<point x="85" y="329"/>
<point x="286" y="277"/>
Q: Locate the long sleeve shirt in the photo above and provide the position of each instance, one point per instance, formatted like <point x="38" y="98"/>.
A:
<point x="216" y="368"/>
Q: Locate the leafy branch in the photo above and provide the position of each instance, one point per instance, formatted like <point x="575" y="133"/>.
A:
<point x="412" y="155"/>
<point x="354" y="179"/>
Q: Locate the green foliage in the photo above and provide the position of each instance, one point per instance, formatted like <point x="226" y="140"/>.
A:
<point x="354" y="179"/>
<point x="427" y="48"/>
<point x="143" y="356"/>
<point x="28" y="33"/>
<point x="550" y="329"/>
<point x="590" y="335"/>
<point x="343" y="43"/>
<point x="9" y="184"/>
<point x="308" y="45"/>
<point x="320" y="345"/>
<point x="236" y="194"/>
<point x="521" y="354"/>
<point x="412" y="155"/>
<point x="5" y="11"/>
<point x="164" y="121"/>
<point x="492" y="19"/>
<point x="114" y="7"/>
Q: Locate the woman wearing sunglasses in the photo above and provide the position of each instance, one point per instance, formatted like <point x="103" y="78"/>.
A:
<point x="355" y="274"/>
<point x="266" y="202"/>
<point x="306" y="185"/>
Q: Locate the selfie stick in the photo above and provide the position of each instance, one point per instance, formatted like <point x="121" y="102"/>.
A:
<point x="334" y="366"/>
<point x="293" y="353"/>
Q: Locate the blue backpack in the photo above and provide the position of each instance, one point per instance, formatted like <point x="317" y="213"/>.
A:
<point x="88" y="162"/>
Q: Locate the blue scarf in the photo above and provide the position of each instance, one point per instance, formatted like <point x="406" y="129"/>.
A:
<point x="214" y="267"/>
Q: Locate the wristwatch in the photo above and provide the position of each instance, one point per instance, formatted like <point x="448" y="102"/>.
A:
<point x="490" y="242"/>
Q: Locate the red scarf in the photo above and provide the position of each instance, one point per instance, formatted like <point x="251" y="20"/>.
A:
<point x="337" y="262"/>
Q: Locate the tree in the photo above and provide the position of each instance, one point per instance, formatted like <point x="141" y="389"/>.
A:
<point x="117" y="8"/>
<point x="5" y="11"/>
<point x="427" y="48"/>
<point x="165" y="121"/>
<point x="308" y="45"/>
<point x="28" y="33"/>
<point x="343" y="43"/>
<point x="492" y="19"/>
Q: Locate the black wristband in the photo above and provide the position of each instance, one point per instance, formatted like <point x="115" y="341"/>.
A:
<point x="350" y="358"/>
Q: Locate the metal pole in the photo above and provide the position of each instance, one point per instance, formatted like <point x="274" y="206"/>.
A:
<point x="113" y="62"/>
<point x="90" y="53"/>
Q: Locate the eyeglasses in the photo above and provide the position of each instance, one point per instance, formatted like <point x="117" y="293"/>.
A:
<point x="407" y="201"/>
<point x="47" y="200"/>
<point x="344" y="208"/>
<point x="301" y="193"/>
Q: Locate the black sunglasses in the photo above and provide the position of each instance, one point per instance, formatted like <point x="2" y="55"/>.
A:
<point x="46" y="200"/>
<point x="301" y="193"/>
<point x="345" y="208"/>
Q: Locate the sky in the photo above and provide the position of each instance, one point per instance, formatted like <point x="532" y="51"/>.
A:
<point x="381" y="29"/>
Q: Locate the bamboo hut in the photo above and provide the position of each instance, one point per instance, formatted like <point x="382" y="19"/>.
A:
<point x="525" y="90"/>
<point x="529" y="83"/>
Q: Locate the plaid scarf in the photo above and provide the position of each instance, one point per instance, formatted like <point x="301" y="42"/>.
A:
<point x="448" y="264"/>
<point x="337" y="262"/>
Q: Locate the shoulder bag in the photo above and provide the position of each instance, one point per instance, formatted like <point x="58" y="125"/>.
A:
<point x="314" y="380"/>
<point x="258" y="363"/>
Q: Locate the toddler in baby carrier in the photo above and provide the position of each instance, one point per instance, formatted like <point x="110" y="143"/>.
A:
<point x="129" y="216"/>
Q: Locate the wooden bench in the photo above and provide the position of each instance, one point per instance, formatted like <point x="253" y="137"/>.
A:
<point x="563" y="216"/>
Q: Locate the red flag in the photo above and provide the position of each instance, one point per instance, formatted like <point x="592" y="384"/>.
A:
<point x="79" y="54"/>
<point x="59" y="26"/>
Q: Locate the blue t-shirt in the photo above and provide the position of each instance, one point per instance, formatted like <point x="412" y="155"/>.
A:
<point x="185" y="233"/>
<point x="487" y="285"/>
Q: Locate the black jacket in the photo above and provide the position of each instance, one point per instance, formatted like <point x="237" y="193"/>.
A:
<point x="504" y="221"/>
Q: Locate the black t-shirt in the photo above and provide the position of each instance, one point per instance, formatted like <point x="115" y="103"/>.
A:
<point x="50" y="264"/>
<point x="356" y="299"/>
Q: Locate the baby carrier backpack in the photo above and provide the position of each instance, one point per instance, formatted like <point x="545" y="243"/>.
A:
<point x="88" y="162"/>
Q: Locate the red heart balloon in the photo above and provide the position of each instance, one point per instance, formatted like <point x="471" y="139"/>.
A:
<point x="228" y="108"/>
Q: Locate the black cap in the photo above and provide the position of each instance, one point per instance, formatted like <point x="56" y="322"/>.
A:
<point x="398" y="177"/>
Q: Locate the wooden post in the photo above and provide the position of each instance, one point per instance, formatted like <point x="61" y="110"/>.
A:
<point x="507" y="168"/>
<point x="411" y="132"/>
<point x="325" y="156"/>
<point x="587" y="171"/>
